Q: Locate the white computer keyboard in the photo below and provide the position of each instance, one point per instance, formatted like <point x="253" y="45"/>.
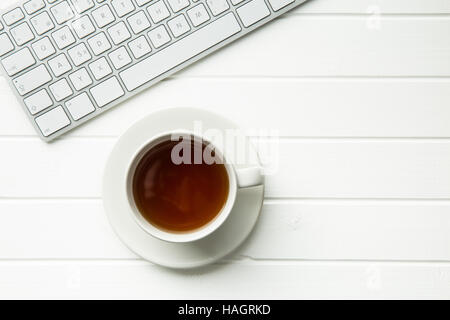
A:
<point x="69" y="60"/>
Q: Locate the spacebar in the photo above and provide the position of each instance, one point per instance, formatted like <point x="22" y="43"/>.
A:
<point x="179" y="52"/>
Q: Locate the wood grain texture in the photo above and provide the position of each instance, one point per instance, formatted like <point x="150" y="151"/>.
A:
<point x="375" y="7"/>
<point x="323" y="168"/>
<point x="244" y="280"/>
<point x="292" y="230"/>
<point x="359" y="208"/>
<point x="350" y="107"/>
<point x="335" y="46"/>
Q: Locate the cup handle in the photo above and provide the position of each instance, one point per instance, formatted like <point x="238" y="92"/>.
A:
<point x="249" y="177"/>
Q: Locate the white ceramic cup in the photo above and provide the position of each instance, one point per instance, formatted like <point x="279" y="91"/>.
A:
<point x="238" y="178"/>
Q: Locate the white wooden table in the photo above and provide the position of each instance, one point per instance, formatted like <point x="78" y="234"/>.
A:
<point x="360" y="207"/>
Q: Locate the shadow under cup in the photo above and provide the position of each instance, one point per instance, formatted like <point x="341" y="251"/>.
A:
<point x="180" y="191"/>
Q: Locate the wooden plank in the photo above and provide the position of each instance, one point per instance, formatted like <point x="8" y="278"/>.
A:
<point x="375" y="6"/>
<point x="301" y="107"/>
<point x="322" y="46"/>
<point x="246" y="280"/>
<point x="293" y="230"/>
<point x="316" y="168"/>
<point x="59" y="230"/>
<point x="36" y="169"/>
<point x="352" y="230"/>
<point x="361" y="169"/>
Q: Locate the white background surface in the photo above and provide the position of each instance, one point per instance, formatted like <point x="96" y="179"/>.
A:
<point x="360" y="208"/>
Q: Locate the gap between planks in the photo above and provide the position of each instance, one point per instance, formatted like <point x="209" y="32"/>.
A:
<point x="365" y="15"/>
<point x="240" y="260"/>
<point x="299" y="139"/>
<point x="267" y="200"/>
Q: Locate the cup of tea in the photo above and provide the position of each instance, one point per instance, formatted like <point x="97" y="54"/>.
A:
<point x="181" y="187"/>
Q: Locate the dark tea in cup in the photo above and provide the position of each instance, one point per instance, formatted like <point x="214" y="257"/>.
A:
<point x="179" y="197"/>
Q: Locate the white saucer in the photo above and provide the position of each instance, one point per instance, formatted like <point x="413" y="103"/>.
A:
<point x="222" y="242"/>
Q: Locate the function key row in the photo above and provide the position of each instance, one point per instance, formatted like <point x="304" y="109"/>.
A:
<point x="62" y="11"/>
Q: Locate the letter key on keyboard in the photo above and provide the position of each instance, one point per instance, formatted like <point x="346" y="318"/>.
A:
<point x="69" y="60"/>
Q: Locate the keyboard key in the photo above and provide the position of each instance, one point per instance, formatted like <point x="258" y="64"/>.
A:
<point x="198" y="15"/>
<point x="158" y="11"/>
<point x="63" y="37"/>
<point x="179" y="26"/>
<point x="61" y="90"/>
<point x="217" y="6"/>
<point x="99" y="44"/>
<point x="62" y="12"/>
<point x="119" y="33"/>
<point x="80" y="106"/>
<point x="42" y="23"/>
<point x="159" y="36"/>
<point x="83" y="27"/>
<point x="100" y="68"/>
<point x="32" y="80"/>
<point x="106" y="92"/>
<point x="279" y="4"/>
<point x="83" y="5"/>
<point x="120" y="58"/>
<point x="165" y="60"/>
<point x="66" y="58"/>
<point x="139" y="22"/>
<point x="79" y="54"/>
<point x="178" y="5"/>
<point x="140" y="3"/>
<point x="18" y="61"/>
<point x="22" y="34"/>
<point x="52" y="121"/>
<point x="5" y="44"/>
<point x="13" y="16"/>
<point x="38" y="102"/>
<point x="60" y="65"/>
<point x="103" y="16"/>
<point x="43" y="48"/>
<point x="122" y="7"/>
<point x="33" y="6"/>
<point x="139" y="47"/>
<point x="80" y="79"/>
<point x="253" y="12"/>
